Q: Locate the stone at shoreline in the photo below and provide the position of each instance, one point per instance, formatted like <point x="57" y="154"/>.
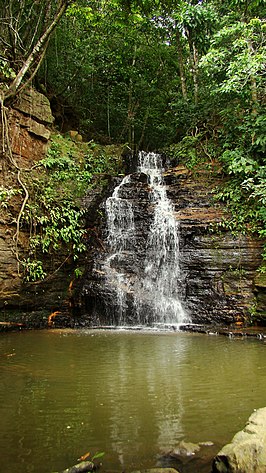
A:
<point x="247" y="451"/>
<point x="156" y="470"/>
<point x="82" y="467"/>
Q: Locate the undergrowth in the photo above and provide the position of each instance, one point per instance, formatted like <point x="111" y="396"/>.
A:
<point x="243" y="190"/>
<point x="54" y="213"/>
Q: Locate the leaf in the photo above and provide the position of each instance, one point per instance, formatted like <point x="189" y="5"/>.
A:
<point x="98" y="455"/>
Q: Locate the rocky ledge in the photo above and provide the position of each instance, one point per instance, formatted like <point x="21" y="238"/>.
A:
<point x="221" y="281"/>
<point x="247" y="451"/>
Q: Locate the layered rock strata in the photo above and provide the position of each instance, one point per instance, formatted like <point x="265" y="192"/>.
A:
<point x="219" y="271"/>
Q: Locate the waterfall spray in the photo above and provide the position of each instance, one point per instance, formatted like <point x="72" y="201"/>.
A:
<point x="153" y="293"/>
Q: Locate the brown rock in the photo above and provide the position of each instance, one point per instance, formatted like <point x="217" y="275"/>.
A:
<point x="36" y="105"/>
<point x="28" y="138"/>
<point x="247" y="451"/>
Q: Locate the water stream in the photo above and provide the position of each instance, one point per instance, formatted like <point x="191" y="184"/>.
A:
<point x="153" y="292"/>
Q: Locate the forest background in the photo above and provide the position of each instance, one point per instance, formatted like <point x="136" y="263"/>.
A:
<point x="183" y="77"/>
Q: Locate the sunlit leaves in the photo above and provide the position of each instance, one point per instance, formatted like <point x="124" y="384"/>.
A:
<point x="238" y="54"/>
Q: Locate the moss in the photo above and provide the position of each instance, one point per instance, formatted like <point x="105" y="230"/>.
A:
<point x="54" y="214"/>
<point x="260" y="280"/>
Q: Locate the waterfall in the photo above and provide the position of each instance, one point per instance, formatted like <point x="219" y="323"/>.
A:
<point x="120" y="239"/>
<point x="158" y="296"/>
<point x="151" y="292"/>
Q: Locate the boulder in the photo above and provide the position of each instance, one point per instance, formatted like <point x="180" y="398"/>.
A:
<point x="35" y="105"/>
<point x="28" y="139"/>
<point x="29" y="122"/>
<point x="247" y="451"/>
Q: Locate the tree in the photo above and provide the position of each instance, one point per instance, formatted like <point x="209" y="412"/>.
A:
<point x="115" y="71"/>
<point x="24" y="43"/>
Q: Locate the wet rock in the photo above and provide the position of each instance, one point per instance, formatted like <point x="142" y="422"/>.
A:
<point x="82" y="467"/>
<point x="247" y="451"/>
<point x="190" y="457"/>
<point x="218" y="282"/>
<point x="157" y="470"/>
<point x="186" y="449"/>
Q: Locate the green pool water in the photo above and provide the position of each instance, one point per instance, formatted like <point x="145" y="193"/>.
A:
<point x="132" y="395"/>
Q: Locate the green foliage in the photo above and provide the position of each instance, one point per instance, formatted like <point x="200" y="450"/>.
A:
<point x="54" y="213"/>
<point x="186" y="152"/>
<point x="198" y="22"/>
<point x="236" y="162"/>
<point x="245" y="200"/>
<point x="6" y="194"/>
<point x="98" y="455"/>
<point x="33" y="270"/>
<point x="6" y="71"/>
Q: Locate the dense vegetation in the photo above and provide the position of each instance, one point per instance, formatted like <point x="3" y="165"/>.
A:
<point x="188" y="76"/>
<point x="54" y="213"/>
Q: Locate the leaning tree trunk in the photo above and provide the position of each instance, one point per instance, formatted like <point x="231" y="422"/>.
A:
<point x="36" y="54"/>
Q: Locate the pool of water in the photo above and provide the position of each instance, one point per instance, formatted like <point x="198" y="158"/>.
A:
<point x="132" y="395"/>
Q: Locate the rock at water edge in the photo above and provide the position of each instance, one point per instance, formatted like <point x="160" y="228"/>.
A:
<point x="247" y="451"/>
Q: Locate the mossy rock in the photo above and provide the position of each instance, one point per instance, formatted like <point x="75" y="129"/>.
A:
<point x="260" y="280"/>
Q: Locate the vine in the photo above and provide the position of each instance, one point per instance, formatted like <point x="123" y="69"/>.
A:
<point x="7" y="151"/>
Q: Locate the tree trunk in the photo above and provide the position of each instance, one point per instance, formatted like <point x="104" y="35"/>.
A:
<point x="195" y="73"/>
<point x="36" y="54"/>
<point x="253" y="82"/>
<point x="194" y="66"/>
<point x="181" y="65"/>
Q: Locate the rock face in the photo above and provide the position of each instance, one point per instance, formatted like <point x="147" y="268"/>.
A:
<point x="29" y="120"/>
<point x="247" y="451"/>
<point x="220" y="269"/>
<point x="219" y="283"/>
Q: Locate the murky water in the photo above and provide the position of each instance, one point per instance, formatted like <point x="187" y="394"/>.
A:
<point x="132" y="395"/>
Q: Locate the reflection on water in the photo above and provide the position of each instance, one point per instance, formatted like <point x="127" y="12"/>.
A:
<point x="132" y="395"/>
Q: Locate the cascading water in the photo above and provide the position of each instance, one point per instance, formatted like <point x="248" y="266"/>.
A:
<point x="158" y="294"/>
<point x="121" y="231"/>
<point x="150" y="289"/>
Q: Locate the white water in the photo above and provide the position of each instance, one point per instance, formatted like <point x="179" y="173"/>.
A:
<point x="160" y="287"/>
<point x="121" y="235"/>
<point x="155" y="294"/>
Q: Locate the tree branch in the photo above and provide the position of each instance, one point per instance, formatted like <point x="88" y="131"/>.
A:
<point x="36" y="53"/>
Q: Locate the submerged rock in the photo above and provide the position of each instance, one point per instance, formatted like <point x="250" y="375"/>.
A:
<point x="247" y="451"/>
<point x="190" y="457"/>
<point x="185" y="449"/>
